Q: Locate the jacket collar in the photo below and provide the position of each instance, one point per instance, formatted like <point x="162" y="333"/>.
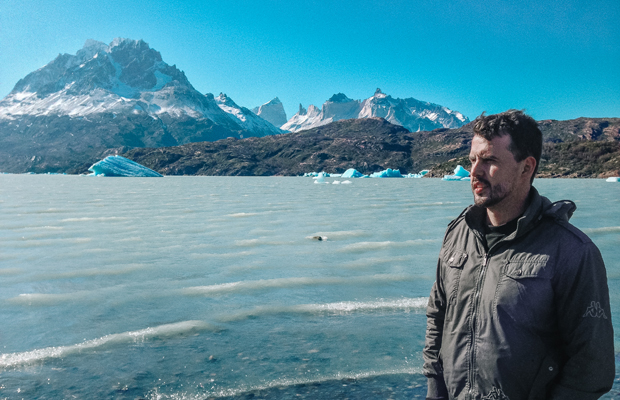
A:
<point x="539" y="207"/>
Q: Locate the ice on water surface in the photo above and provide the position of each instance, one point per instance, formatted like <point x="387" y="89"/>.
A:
<point x="418" y="175"/>
<point x="121" y="166"/>
<point x="460" y="174"/>
<point x="352" y="173"/>
<point x="388" y="173"/>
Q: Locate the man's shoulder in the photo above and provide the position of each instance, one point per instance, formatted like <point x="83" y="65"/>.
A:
<point x="458" y="228"/>
<point x="556" y="216"/>
<point x="567" y="231"/>
<point x="460" y="220"/>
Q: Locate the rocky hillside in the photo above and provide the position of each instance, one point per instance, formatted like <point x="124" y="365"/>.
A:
<point x="577" y="148"/>
<point x="572" y="149"/>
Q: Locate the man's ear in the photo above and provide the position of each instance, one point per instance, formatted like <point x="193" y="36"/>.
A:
<point x="529" y="164"/>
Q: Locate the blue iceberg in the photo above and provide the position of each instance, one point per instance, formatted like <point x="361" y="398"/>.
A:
<point x="418" y="175"/>
<point x="613" y="179"/>
<point x="460" y="174"/>
<point x="120" y="166"/>
<point x="352" y="173"/>
<point x="388" y="173"/>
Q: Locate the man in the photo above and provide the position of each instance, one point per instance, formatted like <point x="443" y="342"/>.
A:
<point x="520" y="307"/>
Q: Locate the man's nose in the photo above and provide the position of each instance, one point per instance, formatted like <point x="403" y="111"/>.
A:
<point x="475" y="169"/>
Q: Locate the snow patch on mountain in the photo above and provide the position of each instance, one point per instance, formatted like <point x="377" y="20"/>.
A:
<point x="305" y="119"/>
<point x="246" y="118"/>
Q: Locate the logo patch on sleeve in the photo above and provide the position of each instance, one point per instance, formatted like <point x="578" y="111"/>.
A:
<point x="496" y="394"/>
<point x="595" y="311"/>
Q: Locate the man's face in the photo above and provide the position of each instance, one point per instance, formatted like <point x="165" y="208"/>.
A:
<point x="495" y="174"/>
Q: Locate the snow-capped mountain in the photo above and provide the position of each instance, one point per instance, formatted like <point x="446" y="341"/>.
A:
<point x="413" y="114"/>
<point x="125" y="76"/>
<point x="107" y="97"/>
<point x="304" y="119"/>
<point x="246" y="118"/>
<point x="272" y="111"/>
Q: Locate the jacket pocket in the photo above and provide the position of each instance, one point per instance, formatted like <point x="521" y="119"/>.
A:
<point x="524" y="295"/>
<point x="456" y="262"/>
<point x="546" y="375"/>
<point x="531" y="267"/>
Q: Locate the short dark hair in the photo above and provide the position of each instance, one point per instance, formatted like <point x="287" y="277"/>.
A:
<point x="523" y="130"/>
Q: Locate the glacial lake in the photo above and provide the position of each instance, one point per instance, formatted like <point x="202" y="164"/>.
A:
<point x="213" y="287"/>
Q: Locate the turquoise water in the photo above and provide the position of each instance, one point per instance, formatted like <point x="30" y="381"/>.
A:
<point x="213" y="287"/>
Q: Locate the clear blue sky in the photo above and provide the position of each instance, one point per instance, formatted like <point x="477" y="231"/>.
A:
<point x="558" y="59"/>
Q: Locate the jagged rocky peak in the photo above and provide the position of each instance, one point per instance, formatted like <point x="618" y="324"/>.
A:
<point x="274" y="102"/>
<point x="339" y="106"/>
<point x="379" y="94"/>
<point x="302" y="110"/>
<point x="273" y="112"/>
<point x="91" y="47"/>
<point x="339" y="98"/>
<point x="125" y="67"/>
<point x="224" y="99"/>
<point x="245" y="117"/>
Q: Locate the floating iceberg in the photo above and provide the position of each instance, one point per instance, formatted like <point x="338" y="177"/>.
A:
<point x="352" y="173"/>
<point x="388" y="173"/>
<point x="316" y="174"/>
<point x="613" y="179"/>
<point x="321" y="178"/>
<point x="120" y="166"/>
<point x="460" y="171"/>
<point x="460" y="174"/>
<point x="418" y="175"/>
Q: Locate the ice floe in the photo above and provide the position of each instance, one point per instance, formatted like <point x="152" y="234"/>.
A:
<point x="613" y="179"/>
<point x="121" y="166"/>
<point x="352" y="173"/>
<point x="388" y="173"/>
<point x="321" y="178"/>
<point x="460" y="174"/>
<point x="418" y="175"/>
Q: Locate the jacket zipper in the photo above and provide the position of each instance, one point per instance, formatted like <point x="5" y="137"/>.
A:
<point x="472" y="351"/>
<point x="472" y="328"/>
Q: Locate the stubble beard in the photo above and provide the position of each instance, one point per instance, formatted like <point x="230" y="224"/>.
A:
<point x="496" y="193"/>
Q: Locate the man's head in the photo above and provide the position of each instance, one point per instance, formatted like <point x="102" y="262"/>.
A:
<point x="505" y="152"/>
<point x="526" y="137"/>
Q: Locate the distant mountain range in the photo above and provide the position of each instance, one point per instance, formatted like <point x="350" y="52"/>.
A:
<point x="584" y="147"/>
<point x="122" y="98"/>
<point x="107" y="99"/>
<point x="413" y="114"/>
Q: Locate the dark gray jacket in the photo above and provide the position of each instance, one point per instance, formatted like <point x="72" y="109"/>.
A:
<point x="527" y="319"/>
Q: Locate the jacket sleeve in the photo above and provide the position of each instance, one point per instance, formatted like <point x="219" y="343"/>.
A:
<point x="435" y="313"/>
<point x="584" y="319"/>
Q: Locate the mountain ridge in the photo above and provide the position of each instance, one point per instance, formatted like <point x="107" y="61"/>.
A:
<point x="373" y="144"/>
<point x="413" y="114"/>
